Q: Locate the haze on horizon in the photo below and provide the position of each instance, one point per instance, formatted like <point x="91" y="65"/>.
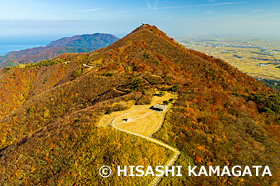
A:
<point x="176" y="17"/>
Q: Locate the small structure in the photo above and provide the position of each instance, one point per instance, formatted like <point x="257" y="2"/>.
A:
<point x="127" y="119"/>
<point x="159" y="107"/>
<point x="262" y="64"/>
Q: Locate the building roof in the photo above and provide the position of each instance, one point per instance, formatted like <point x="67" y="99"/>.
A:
<point x="160" y="107"/>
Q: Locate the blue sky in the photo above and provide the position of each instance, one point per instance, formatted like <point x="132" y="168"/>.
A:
<point x="175" y="17"/>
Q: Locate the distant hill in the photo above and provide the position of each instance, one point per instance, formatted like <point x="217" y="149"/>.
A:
<point x="85" y="41"/>
<point x="75" y="44"/>
<point x="49" y="113"/>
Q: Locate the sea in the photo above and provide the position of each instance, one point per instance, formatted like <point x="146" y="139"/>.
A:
<point x="16" y="43"/>
<point x="5" y="49"/>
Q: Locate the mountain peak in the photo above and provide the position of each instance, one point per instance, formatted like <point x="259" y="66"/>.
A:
<point x="152" y="28"/>
<point x="144" y="34"/>
<point x="144" y="26"/>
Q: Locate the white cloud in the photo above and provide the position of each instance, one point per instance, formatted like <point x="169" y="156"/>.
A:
<point x="201" y="5"/>
<point x="267" y="15"/>
<point x="152" y="7"/>
<point x="92" y="10"/>
<point x="254" y="11"/>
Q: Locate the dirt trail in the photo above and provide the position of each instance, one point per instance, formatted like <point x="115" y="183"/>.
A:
<point x="176" y="152"/>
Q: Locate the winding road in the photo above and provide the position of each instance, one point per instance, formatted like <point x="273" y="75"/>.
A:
<point x="88" y="66"/>
<point x="171" y="160"/>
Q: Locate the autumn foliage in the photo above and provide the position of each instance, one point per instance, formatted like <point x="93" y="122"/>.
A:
<point x="221" y="117"/>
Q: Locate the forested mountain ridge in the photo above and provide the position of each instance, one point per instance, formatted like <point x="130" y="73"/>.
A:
<point x="74" y="44"/>
<point x="221" y="117"/>
<point x="93" y="41"/>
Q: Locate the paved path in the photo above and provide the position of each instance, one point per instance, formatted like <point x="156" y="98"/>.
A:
<point x="176" y="151"/>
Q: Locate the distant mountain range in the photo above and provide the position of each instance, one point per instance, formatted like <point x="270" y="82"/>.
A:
<point x="75" y="44"/>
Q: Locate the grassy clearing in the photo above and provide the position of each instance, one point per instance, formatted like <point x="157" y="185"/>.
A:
<point x="108" y="118"/>
<point x="137" y="110"/>
<point x="133" y="115"/>
<point x="144" y="126"/>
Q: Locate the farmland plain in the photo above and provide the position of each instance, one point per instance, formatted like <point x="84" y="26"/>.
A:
<point x="259" y="58"/>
